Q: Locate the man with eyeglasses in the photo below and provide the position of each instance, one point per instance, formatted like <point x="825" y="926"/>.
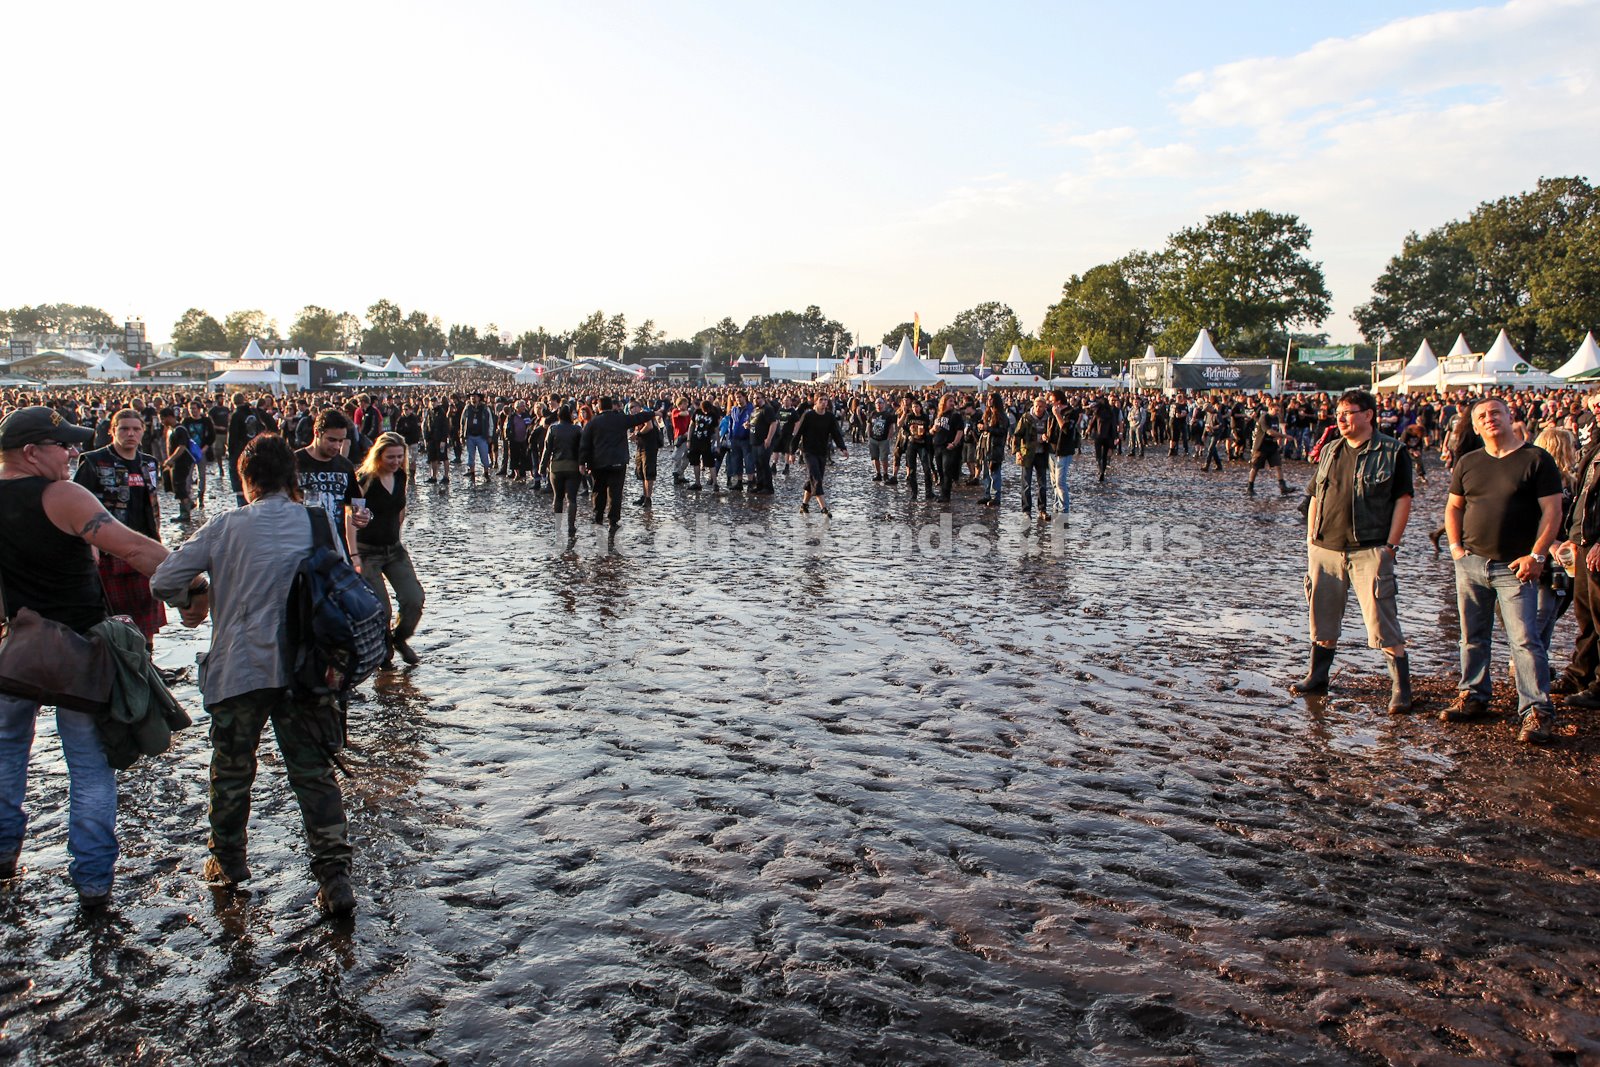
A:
<point x="49" y="529"/>
<point x="1360" y="503"/>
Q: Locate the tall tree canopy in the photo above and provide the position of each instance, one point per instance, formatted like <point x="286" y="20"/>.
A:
<point x="1528" y="264"/>
<point x="197" y="331"/>
<point x="56" y="319"/>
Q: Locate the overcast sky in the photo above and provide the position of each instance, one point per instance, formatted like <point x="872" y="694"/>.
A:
<point x="526" y="163"/>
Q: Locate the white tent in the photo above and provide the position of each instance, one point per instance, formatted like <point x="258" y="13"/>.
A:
<point x="394" y="366"/>
<point x="532" y="374"/>
<point x="1083" y="359"/>
<point x="1410" y="376"/>
<point x="1586" y="358"/>
<point x="1016" y="374"/>
<point x="1460" y="348"/>
<point x="1202" y="351"/>
<point x="112" y="368"/>
<point x="1502" y="366"/>
<point x="904" y="370"/>
<point x="252" y="351"/>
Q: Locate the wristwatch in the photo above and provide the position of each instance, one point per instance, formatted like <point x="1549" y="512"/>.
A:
<point x="1537" y="557"/>
<point x="1394" y="547"/>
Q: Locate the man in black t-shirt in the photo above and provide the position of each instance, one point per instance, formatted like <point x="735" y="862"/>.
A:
<point x="328" y="480"/>
<point x="125" y="479"/>
<point x="1503" y="516"/>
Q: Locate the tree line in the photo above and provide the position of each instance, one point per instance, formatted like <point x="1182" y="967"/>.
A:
<point x="1528" y="263"/>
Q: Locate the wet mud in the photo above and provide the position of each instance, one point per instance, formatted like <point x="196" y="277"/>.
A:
<point x="758" y="801"/>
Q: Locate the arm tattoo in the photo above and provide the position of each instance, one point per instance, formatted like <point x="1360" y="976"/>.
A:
<point x="94" y="524"/>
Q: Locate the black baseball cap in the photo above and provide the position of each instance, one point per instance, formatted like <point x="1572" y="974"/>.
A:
<point x="30" y="426"/>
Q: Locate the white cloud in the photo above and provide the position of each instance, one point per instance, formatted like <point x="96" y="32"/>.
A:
<point x="1368" y="137"/>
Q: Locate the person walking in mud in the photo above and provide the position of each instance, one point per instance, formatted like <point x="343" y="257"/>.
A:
<point x="252" y="555"/>
<point x="1104" y="422"/>
<point x="603" y="452"/>
<point x="815" y="430"/>
<point x="1502" y="517"/>
<point x="1360" y="503"/>
<point x="50" y="529"/>
<point x="1266" y="449"/>
<point x="1581" y="679"/>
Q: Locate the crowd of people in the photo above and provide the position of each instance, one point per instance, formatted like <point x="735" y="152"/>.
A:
<point x="84" y="474"/>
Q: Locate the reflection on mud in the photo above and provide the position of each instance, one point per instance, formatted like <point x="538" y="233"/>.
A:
<point x="784" y="799"/>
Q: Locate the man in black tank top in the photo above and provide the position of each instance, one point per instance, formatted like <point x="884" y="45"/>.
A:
<point x="47" y="525"/>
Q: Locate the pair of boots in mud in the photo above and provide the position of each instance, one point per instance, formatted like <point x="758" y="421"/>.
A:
<point x="1316" y="679"/>
<point x="1250" y="487"/>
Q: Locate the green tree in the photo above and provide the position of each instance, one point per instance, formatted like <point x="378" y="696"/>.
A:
<point x="908" y="331"/>
<point x="647" y="336"/>
<point x="494" y="346"/>
<point x="1107" y="308"/>
<point x="463" y="341"/>
<point x="58" y="319"/>
<point x="1245" y="277"/>
<point x="241" y="326"/>
<point x="590" y="334"/>
<point x="614" y="336"/>
<point x="317" y="329"/>
<point x="990" y="329"/>
<point x="385" y="329"/>
<point x="540" y="344"/>
<point x="197" y="331"/>
<point x="1528" y="264"/>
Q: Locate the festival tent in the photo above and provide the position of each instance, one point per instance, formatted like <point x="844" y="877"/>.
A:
<point x="532" y="374"/>
<point x="394" y="366"/>
<point x="903" y="370"/>
<point x="1017" y="374"/>
<point x="1079" y="381"/>
<point x="1583" y="362"/>
<point x="252" y="351"/>
<point x="112" y="368"/>
<point x="1419" y="366"/>
<point x="1202" y="351"/>
<point x="1502" y="366"/>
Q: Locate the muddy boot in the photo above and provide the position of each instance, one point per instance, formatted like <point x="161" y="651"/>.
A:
<point x="1316" y="679"/>
<point x="1399" y="684"/>
<point x="1250" y="488"/>
<point x="1283" y="489"/>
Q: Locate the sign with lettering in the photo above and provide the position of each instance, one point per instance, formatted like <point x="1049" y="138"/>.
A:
<point x="1221" y="376"/>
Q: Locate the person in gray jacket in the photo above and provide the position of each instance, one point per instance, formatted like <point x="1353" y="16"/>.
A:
<point x="561" y="444"/>
<point x="252" y="555"/>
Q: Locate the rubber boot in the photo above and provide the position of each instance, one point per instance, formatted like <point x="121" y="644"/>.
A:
<point x="1399" y="684"/>
<point x="1316" y="679"/>
<point x="1283" y="489"/>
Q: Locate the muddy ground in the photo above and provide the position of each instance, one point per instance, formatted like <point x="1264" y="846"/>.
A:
<point x="885" y="793"/>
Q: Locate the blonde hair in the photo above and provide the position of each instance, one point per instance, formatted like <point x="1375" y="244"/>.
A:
<point x="389" y="439"/>
<point x="1563" y="448"/>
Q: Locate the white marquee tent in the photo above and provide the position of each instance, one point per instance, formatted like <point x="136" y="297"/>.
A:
<point x="1418" y="367"/>
<point x="1586" y="358"/>
<point x="1202" y="351"/>
<point x="902" y="371"/>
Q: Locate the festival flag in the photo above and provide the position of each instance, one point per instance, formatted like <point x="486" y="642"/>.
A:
<point x="916" y="332"/>
<point x="1052" y="361"/>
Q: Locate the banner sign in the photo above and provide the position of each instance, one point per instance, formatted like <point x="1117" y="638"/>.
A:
<point x="1221" y="376"/>
<point x="1151" y="375"/>
<point x="1090" y="370"/>
<point x="1459" y="364"/>
<point x="1385" y="367"/>
<point x="1336" y="354"/>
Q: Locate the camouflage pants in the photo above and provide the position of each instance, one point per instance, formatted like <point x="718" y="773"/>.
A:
<point x="303" y="732"/>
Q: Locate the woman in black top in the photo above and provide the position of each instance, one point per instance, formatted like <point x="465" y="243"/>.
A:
<point x="949" y="431"/>
<point x="382" y="478"/>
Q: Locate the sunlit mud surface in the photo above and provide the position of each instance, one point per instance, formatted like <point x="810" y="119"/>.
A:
<point x="763" y="802"/>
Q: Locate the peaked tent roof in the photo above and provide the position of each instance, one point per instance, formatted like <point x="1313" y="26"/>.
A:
<point x="1586" y="358"/>
<point x="252" y="351"/>
<point x="1202" y="351"/>
<point x="1150" y="352"/>
<point x="905" y="369"/>
<point x="394" y="366"/>
<point x="949" y="354"/>
<point x="1501" y="356"/>
<point x="1083" y="359"/>
<point x="1423" y="365"/>
<point x="1460" y="348"/>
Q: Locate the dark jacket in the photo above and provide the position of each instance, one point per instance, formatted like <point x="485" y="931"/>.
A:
<point x="561" y="444"/>
<point x="605" y="438"/>
<point x="1372" y="502"/>
<point x="1584" y="527"/>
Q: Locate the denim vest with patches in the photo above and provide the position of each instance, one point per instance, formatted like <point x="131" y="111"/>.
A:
<point x="1373" y="499"/>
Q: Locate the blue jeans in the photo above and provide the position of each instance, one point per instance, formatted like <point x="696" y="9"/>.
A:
<point x="1036" y="470"/>
<point x="1059" y="466"/>
<point x="476" y="445"/>
<point x="739" y="458"/>
<point x="1481" y="584"/>
<point x="92" y="800"/>
<point x="991" y="481"/>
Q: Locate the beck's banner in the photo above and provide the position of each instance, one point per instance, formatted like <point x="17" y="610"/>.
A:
<point x="1221" y="376"/>
<point x="1336" y="354"/>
